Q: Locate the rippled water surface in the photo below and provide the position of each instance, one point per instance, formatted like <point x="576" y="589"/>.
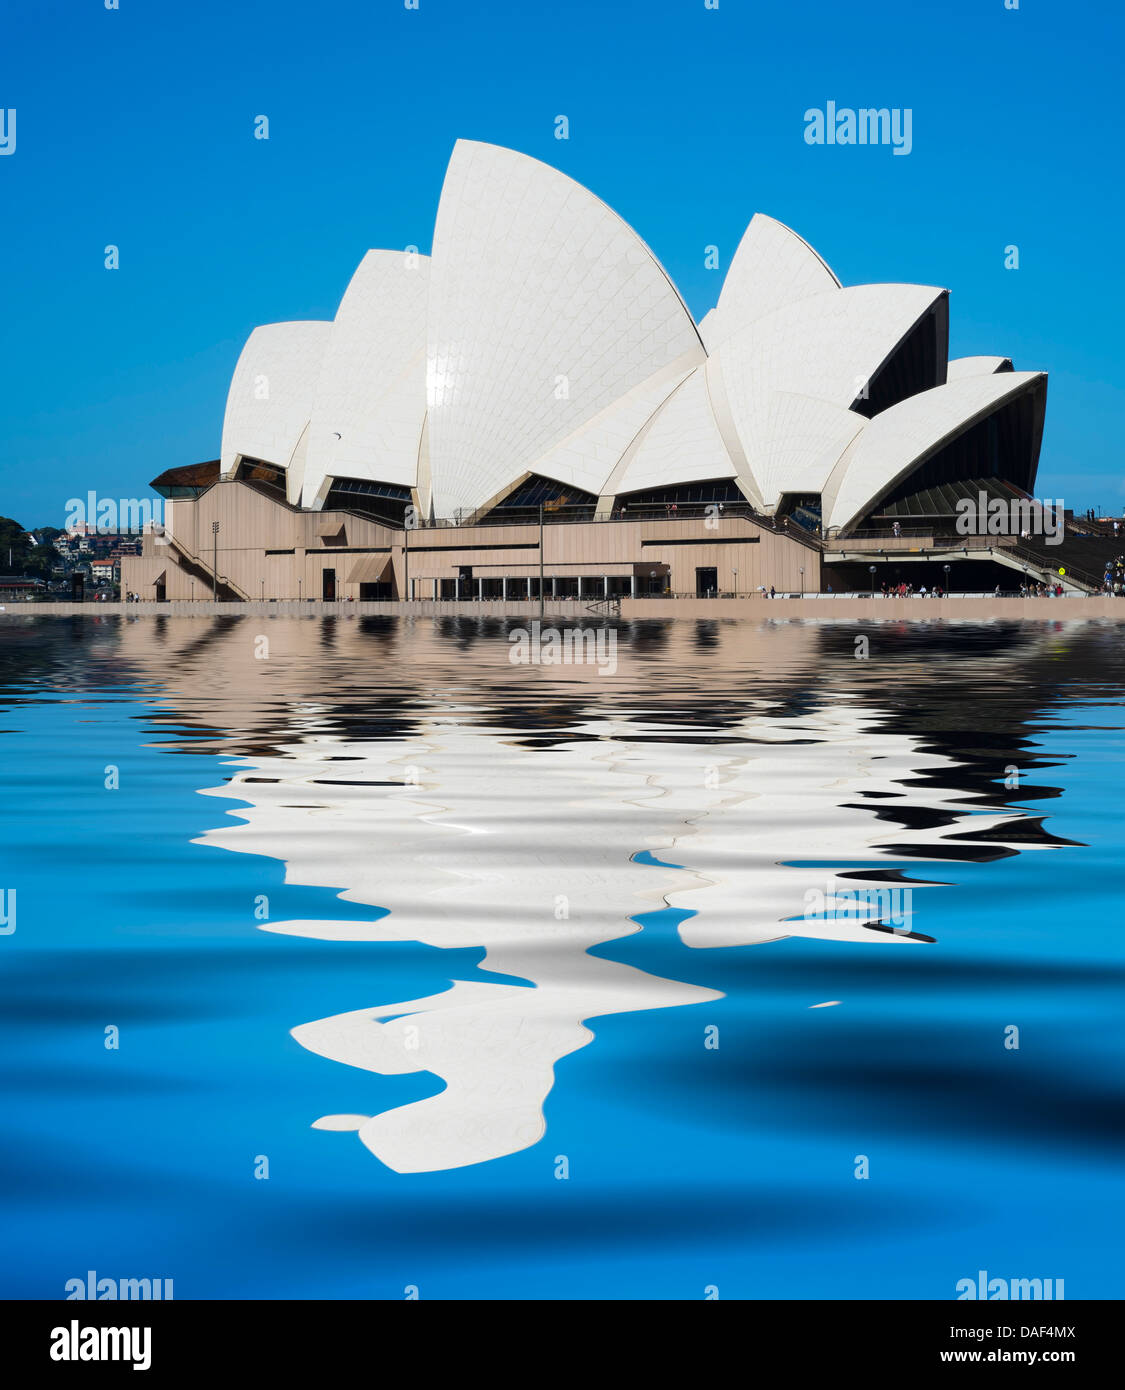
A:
<point x="533" y="981"/>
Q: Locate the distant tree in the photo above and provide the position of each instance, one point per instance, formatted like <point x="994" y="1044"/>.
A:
<point x="19" y="555"/>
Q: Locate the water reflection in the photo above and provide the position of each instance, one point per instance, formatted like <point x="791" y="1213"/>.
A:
<point x="732" y="772"/>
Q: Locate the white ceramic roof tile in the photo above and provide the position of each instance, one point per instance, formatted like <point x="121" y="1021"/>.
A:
<point x="899" y="439"/>
<point x="589" y="457"/>
<point x="545" y="308"/>
<point x="772" y="268"/>
<point x="371" y="391"/>
<point x="682" y="444"/>
<point x="827" y="347"/>
<point x="271" y="392"/>
<point x="803" y="439"/>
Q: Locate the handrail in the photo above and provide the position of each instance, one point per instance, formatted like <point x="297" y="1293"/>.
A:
<point x="178" y="544"/>
<point x="906" y="533"/>
<point x="606" y="606"/>
<point x="1031" y="557"/>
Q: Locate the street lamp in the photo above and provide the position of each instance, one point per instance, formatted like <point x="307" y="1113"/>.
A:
<point x="215" y="560"/>
<point x="871" y="571"/>
<point x="736" y="583"/>
<point x="946" y="569"/>
<point x="803" y="581"/>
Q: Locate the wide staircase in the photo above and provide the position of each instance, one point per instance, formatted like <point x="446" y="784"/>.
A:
<point x="1082" y="551"/>
<point x="1082" y="555"/>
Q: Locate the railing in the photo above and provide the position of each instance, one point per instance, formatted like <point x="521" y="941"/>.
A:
<point x="208" y="574"/>
<point x="905" y="533"/>
<point x="606" y="607"/>
<point x="974" y="545"/>
<point x="684" y="511"/>
<point x="1031" y="559"/>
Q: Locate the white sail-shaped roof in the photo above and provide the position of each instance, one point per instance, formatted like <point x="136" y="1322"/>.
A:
<point x="960" y="367"/>
<point x="271" y="393"/>
<point x="771" y="269"/>
<point x="589" y="457"/>
<point x="900" y="439"/>
<point x="801" y="441"/>
<point x="543" y="337"/>
<point x="545" y="307"/>
<point x="371" y="391"/>
<point x="827" y="347"/>
<point x="681" y="444"/>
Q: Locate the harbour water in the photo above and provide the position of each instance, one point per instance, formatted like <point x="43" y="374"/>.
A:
<point x="354" y="959"/>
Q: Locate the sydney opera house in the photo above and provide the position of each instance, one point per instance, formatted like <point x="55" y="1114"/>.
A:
<point x="532" y="409"/>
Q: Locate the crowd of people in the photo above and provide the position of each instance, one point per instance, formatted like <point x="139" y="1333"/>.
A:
<point x="1028" y="589"/>
<point x="1113" y="581"/>
<point x="909" y="591"/>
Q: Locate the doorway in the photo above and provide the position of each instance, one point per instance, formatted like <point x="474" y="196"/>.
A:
<point x="328" y="585"/>
<point x="707" y="582"/>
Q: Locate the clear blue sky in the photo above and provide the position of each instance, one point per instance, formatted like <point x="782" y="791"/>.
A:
<point x="134" y="127"/>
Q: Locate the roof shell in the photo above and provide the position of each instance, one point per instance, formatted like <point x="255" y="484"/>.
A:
<point x="899" y="440"/>
<point x="771" y="269"/>
<point x="680" y="444"/>
<point x="271" y="393"/>
<point x="545" y="308"/>
<point x="371" y="390"/>
<point x="827" y="347"/>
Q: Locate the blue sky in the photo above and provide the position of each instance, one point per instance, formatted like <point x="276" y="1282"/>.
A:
<point x="135" y="127"/>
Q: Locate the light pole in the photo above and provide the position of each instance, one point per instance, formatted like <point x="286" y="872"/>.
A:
<point x="946" y="569"/>
<point x="215" y="560"/>
<point x="871" y="570"/>
<point x="802" y="581"/>
<point x="736" y="583"/>
<point x="193" y="591"/>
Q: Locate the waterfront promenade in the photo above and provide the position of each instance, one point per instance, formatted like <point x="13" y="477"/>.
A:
<point x="843" y="607"/>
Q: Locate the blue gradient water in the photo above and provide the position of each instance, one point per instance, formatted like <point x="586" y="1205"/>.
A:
<point x="689" y="1167"/>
